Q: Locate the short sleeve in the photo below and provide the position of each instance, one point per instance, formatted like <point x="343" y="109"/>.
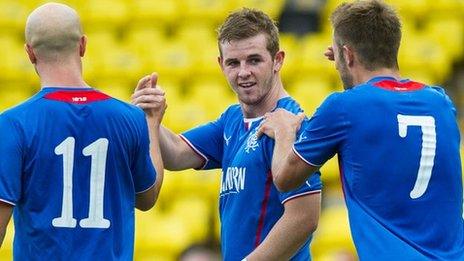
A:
<point x="312" y="185"/>
<point x="447" y="99"/>
<point x="143" y="171"/>
<point x="324" y="132"/>
<point x="207" y="141"/>
<point x="10" y="162"/>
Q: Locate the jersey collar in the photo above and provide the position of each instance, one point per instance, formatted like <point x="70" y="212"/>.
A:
<point x="392" y="84"/>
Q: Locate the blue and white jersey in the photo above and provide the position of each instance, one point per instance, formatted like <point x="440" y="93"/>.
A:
<point x="250" y="204"/>
<point x="398" y="148"/>
<point x="72" y="162"/>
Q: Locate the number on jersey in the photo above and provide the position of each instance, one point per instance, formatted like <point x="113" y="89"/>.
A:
<point x="97" y="151"/>
<point x="429" y="144"/>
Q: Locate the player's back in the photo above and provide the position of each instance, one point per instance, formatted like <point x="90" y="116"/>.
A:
<point x="84" y="156"/>
<point x="402" y="171"/>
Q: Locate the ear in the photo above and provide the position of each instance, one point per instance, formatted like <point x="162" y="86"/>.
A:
<point x="82" y="45"/>
<point x="220" y="59"/>
<point x="348" y="54"/>
<point x="30" y="53"/>
<point x="279" y="60"/>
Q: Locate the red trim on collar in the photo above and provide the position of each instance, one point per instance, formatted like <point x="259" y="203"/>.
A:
<point x="399" y="86"/>
<point x="77" y="97"/>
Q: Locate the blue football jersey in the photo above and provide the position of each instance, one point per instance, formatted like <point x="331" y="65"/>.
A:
<point x="72" y="162"/>
<point x="398" y="148"/>
<point x="250" y="204"/>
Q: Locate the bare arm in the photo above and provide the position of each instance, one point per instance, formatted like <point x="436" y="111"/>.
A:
<point x="176" y="153"/>
<point x="288" y="235"/>
<point x="146" y="200"/>
<point x="288" y="170"/>
<point x="5" y="216"/>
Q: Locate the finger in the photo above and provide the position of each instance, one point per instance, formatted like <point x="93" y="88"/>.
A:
<point x="260" y="132"/>
<point x="146" y="106"/>
<point x="301" y="115"/>
<point x="149" y="99"/>
<point x="142" y="83"/>
<point x="148" y="91"/>
<point x="153" y="80"/>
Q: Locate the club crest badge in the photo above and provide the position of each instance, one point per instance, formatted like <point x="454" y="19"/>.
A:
<point x="252" y="142"/>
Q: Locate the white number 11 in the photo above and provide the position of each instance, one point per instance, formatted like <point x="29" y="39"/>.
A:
<point x="429" y="144"/>
<point x="97" y="151"/>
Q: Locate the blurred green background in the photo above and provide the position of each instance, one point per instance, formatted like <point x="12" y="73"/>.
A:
<point x="128" y="39"/>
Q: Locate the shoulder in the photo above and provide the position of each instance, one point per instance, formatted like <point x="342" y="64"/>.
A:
<point x="232" y="112"/>
<point x="289" y="104"/>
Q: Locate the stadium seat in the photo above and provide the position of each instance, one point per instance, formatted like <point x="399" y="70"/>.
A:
<point x="310" y="91"/>
<point x="155" y="12"/>
<point x="13" y="16"/>
<point x="209" y="10"/>
<point x="312" y="59"/>
<point x="13" y="93"/>
<point x="105" y="14"/>
<point x="164" y="233"/>
<point x="419" y="53"/>
<point x="333" y="232"/>
<point x="289" y="44"/>
<point x="271" y="7"/>
<point x="448" y="32"/>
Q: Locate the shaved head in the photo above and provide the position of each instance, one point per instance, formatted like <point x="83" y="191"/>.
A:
<point x="53" y="31"/>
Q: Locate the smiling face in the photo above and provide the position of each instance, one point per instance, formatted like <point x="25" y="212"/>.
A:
<point x="249" y="68"/>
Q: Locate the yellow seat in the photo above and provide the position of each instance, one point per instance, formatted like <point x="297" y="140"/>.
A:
<point x="333" y="232"/>
<point x="312" y="60"/>
<point x="15" y="65"/>
<point x="419" y="53"/>
<point x="104" y="14"/>
<point x="271" y="7"/>
<point x="289" y="44"/>
<point x="157" y="12"/>
<point x="330" y="172"/>
<point x="119" y="89"/>
<point x="172" y="60"/>
<point x="196" y="213"/>
<point x="210" y="10"/>
<point x="310" y="92"/>
<point x="13" y="16"/>
<point x="14" y="93"/>
<point x="448" y="32"/>
<point x="160" y="232"/>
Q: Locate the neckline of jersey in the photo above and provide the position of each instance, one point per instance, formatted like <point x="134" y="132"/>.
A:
<point x="66" y="88"/>
<point x="376" y="79"/>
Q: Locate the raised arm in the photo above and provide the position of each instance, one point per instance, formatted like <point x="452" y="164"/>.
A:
<point x="176" y="153"/>
<point x="288" y="170"/>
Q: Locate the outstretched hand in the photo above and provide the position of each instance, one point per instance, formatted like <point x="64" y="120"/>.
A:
<point x="150" y="97"/>
<point x="280" y="121"/>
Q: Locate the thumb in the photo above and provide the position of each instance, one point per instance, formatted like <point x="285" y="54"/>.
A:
<point x="153" y="80"/>
<point x="142" y="82"/>
<point x="301" y="116"/>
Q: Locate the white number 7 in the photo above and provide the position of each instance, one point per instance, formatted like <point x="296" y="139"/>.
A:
<point x="429" y="144"/>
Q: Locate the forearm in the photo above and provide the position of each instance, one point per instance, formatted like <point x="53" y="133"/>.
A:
<point x="5" y="216"/>
<point x="156" y="155"/>
<point x="282" y="242"/>
<point x="281" y="159"/>
<point x="291" y="231"/>
<point x="2" y="236"/>
<point x="177" y="155"/>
